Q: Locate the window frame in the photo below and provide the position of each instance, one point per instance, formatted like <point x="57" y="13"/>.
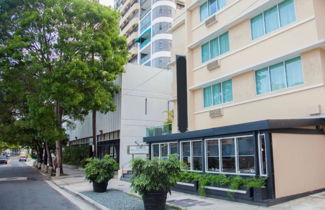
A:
<point x="159" y="148"/>
<point x="237" y="171"/>
<point x="208" y="8"/>
<point x="261" y="166"/>
<point x="208" y="43"/>
<point x="285" y="73"/>
<point x="191" y="154"/>
<point x="278" y="17"/>
<point x="221" y="95"/>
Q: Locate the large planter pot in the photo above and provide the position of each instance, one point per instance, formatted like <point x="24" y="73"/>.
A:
<point x="100" y="187"/>
<point x="260" y="194"/>
<point x="155" y="200"/>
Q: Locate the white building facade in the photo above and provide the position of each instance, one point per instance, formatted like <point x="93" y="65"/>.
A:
<point x="143" y="98"/>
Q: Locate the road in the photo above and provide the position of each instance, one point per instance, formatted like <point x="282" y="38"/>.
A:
<point x="23" y="188"/>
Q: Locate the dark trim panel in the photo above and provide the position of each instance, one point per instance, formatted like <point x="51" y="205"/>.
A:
<point x="299" y="131"/>
<point x="239" y="128"/>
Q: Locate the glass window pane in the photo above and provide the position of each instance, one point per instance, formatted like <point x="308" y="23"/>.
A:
<point x="246" y="154"/>
<point x="205" y="54"/>
<point x="216" y="92"/>
<point x="197" y="155"/>
<point x="186" y="153"/>
<point x="277" y="75"/>
<point x="262" y="78"/>
<point x="203" y="11"/>
<point x="197" y="148"/>
<point x="212" y="6"/>
<point x="155" y="149"/>
<point x="271" y="19"/>
<point x="207" y="97"/>
<point x="227" y="91"/>
<point x="213" y="155"/>
<point x="257" y="26"/>
<point x="287" y="12"/>
<point x="163" y="151"/>
<point x="224" y="43"/>
<point x="263" y="170"/>
<point x="214" y="48"/>
<point x="294" y="72"/>
<point x="228" y="155"/>
<point x="173" y="149"/>
<point x="221" y="4"/>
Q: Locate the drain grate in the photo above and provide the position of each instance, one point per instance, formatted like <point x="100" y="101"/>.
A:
<point x="188" y="202"/>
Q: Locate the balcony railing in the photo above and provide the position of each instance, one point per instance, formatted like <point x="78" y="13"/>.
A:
<point x="159" y="130"/>
<point x="144" y="59"/>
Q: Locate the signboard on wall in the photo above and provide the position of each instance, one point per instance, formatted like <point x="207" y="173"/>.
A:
<point x="138" y="149"/>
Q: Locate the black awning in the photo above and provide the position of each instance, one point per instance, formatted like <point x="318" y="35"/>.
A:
<point x="240" y="128"/>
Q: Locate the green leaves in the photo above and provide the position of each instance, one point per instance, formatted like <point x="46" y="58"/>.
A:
<point x="100" y="170"/>
<point x="154" y="175"/>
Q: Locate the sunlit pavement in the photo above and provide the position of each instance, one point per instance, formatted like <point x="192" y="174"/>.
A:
<point x="22" y="187"/>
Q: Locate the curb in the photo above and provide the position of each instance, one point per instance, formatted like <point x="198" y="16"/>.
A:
<point x="91" y="202"/>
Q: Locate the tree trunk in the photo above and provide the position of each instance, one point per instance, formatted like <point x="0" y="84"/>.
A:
<point x="58" y="146"/>
<point x="45" y="155"/>
<point x="49" y="158"/>
<point x="94" y="134"/>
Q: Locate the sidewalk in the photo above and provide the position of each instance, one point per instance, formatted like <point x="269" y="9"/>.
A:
<point x="74" y="182"/>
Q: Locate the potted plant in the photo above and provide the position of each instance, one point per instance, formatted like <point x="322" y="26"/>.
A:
<point x="100" y="171"/>
<point x="152" y="179"/>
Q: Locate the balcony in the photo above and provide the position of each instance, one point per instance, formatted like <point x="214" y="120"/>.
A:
<point x="144" y="59"/>
<point x="144" y="43"/>
<point x="159" y="130"/>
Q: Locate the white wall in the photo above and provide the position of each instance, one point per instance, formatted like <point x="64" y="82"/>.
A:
<point x="139" y="83"/>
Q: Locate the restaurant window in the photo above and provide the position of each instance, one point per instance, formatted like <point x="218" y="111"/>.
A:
<point x="212" y="152"/>
<point x="162" y="150"/>
<point x="228" y="155"/>
<point x="246" y="154"/>
<point x="235" y="155"/>
<point x="192" y="155"/>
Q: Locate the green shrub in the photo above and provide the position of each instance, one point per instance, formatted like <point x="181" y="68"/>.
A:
<point x="154" y="175"/>
<point x="76" y="155"/>
<point x="100" y="170"/>
<point x="232" y="182"/>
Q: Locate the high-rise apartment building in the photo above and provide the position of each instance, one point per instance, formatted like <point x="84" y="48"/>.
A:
<point x="129" y="22"/>
<point x="250" y="94"/>
<point x="145" y="23"/>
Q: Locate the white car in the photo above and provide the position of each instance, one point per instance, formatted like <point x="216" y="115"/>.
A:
<point x="23" y="158"/>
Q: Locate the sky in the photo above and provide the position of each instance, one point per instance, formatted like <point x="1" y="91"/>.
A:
<point x="107" y="2"/>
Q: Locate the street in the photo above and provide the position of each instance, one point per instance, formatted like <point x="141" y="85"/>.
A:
<point x="23" y="188"/>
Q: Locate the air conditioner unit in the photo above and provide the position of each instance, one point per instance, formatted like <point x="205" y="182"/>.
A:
<point x="213" y="65"/>
<point x="210" y="21"/>
<point x="216" y="113"/>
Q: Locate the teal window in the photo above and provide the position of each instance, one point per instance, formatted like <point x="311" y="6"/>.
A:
<point x="218" y="93"/>
<point x="204" y="11"/>
<point x="227" y="91"/>
<point x="257" y="25"/>
<point x="294" y="72"/>
<point x="282" y="75"/>
<point x="287" y="12"/>
<point x="210" y="7"/>
<point x="224" y="43"/>
<point x="205" y="52"/>
<point x="272" y="19"/>
<point x="207" y="96"/>
<point x="215" y="47"/>
<point x="262" y="81"/>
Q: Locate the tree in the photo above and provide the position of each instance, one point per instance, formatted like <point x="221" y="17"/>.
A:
<point x="73" y="51"/>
